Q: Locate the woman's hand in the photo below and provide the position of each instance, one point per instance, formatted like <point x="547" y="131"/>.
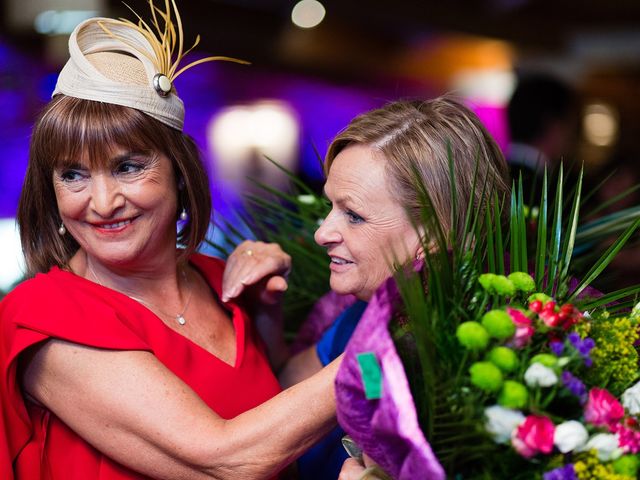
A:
<point x="353" y="469"/>
<point x="257" y="268"/>
<point x="259" y="271"/>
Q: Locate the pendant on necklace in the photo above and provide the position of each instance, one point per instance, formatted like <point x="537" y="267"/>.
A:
<point x="180" y="319"/>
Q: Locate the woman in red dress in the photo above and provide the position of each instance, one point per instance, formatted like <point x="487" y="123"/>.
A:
<point x="119" y="358"/>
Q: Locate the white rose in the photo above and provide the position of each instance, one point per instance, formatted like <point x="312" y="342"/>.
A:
<point x="631" y="399"/>
<point x="606" y="445"/>
<point x="537" y="375"/>
<point x="501" y="422"/>
<point x="570" y="436"/>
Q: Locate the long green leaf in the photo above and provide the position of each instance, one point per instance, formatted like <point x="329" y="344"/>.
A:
<point x="541" y="242"/>
<point x="605" y="260"/>
<point x="556" y="235"/>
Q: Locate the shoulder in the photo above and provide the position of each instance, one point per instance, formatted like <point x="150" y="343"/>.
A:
<point x="35" y="291"/>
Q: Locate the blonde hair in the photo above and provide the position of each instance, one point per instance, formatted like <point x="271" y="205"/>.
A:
<point x="418" y="138"/>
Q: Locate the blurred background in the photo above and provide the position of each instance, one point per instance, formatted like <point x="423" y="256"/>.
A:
<point x="317" y="64"/>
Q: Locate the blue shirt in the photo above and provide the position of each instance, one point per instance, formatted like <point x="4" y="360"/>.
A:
<point x="324" y="460"/>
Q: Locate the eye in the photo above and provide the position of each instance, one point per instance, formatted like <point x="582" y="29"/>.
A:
<point x="353" y="217"/>
<point x="71" y="175"/>
<point x="129" y="167"/>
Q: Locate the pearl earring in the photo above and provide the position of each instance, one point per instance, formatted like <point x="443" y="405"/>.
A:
<point x="184" y="216"/>
<point x="62" y="230"/>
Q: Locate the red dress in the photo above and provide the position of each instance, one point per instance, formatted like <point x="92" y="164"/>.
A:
<point x="34" y="443"/>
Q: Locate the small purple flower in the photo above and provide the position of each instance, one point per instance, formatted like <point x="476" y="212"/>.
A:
<point x="575" y="386"/>
<point x="574" y="338"/>
<point x="556" y="347"/>
<point x="562" y="473"/>
<point x="583" y="346"/>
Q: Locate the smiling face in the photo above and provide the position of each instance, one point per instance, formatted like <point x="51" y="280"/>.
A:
<point x="122" y="212"/>
<point x="366" y="226"/>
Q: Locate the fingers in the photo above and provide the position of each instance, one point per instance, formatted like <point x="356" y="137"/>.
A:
<point x="252" y="262"/>
<point x="273" y="290"/>
<point x="352" y="469"/>
<point x="368" y="462"/>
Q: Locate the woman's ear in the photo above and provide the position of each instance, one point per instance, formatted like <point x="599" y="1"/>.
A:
<point x="181" y="184"/>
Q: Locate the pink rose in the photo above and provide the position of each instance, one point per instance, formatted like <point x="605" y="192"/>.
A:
<point x="524" y="330"/>
<point x="602" y="408"/>
<point x="533" y="436"/>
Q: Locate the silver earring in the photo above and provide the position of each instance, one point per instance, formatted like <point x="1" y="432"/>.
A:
<point x="184" y="216"/>
<point x="62" y="230"/>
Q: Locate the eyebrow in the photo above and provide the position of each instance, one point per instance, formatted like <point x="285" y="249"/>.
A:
<point x="344" y="199"/>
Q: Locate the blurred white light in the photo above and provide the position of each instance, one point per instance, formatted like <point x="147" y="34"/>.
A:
<point x="59" y="22"/>
<point x="241" y="136"/>
<point x="11" y="257"/>
<point x="491" y="86"/>
<point x="307" y="13"/>
<point x="600" y="124"/>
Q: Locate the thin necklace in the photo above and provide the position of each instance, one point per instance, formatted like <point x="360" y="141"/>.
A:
<point x="178" y="317"/>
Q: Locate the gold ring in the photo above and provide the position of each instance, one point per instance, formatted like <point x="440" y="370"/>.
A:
<point x="248" y="252"/>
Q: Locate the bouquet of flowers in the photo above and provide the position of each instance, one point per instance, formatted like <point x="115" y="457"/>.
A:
<point x="460" y="370"/>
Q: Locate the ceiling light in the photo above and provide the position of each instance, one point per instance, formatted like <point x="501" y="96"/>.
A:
<point x="600" y="124"/>
<point x="307" y="13"/>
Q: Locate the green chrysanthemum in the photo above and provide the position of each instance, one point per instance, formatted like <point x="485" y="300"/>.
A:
<point x="504" y="358"/>
<point x="522" y="281"/>
<point x="545" y="359"/>
<point x="499" y="324"/>
<point x="486" y="376"/>
<point x="472" y="335"/>
<point x="513" y="395"/>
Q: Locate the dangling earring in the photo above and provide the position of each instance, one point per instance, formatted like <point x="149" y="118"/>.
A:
<point x="62" y="230"/>
<point x="184" y="216"/>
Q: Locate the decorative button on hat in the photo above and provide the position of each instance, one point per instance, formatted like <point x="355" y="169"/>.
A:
<point x="162" y="84"/>
<point x="129" y="64"/>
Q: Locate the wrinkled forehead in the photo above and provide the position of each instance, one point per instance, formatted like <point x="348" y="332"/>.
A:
<point x="359" y="167"/>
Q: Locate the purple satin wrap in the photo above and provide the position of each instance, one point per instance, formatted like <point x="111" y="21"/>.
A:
<point x="386" y="429"/>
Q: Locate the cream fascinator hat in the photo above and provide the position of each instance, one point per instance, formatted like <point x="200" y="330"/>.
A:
<point x="129" y="64"/>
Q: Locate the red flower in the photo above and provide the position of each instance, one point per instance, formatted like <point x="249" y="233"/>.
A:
<point x="533" y="436"/>
<point x="524" y="330"/>
<point x="602" y="408"/>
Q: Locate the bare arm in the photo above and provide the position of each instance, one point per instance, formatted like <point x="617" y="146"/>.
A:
<point x="300" y="367"/>
<point x="132" y="408"/>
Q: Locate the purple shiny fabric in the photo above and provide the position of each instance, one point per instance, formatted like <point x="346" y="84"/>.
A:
<point x="386" y="429"/>
<point x="322" y="315"/>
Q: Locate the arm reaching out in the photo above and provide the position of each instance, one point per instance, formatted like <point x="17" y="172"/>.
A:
<point x="144" y="417"/>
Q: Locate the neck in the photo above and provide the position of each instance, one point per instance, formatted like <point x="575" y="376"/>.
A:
<point x="158" y="283"/>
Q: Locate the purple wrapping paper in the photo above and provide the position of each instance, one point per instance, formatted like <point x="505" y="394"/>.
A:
<point x="386" y="429"/>
<point x="321" y="317"/>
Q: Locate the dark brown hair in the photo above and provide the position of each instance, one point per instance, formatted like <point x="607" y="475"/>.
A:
<point x="69" y="127"/>
<point x="414" y="138"/>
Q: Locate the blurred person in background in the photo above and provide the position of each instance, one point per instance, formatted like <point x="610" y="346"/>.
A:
<point x="543" y="124"/>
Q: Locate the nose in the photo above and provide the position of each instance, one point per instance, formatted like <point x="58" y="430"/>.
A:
<point x="106" y="195"/>
<point x="328" y="233"/>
